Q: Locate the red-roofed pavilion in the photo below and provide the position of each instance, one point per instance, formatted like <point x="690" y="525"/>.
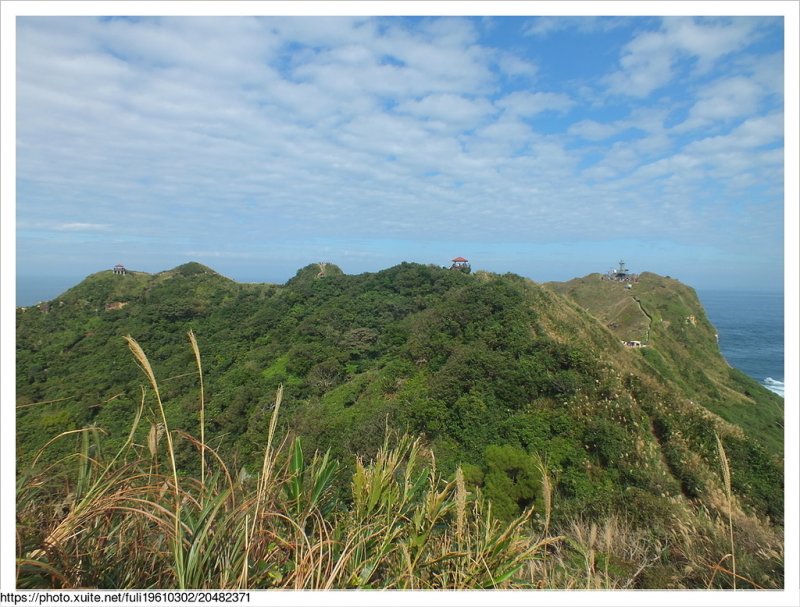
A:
<point x="459" y="263"/>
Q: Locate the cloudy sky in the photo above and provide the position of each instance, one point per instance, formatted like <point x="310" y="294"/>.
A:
<point x="550" y="147"/>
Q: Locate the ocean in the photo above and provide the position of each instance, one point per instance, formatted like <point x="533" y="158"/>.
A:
<point x="34" y="289"/>
<point x="750" y="327"/>
<point x="749" y="323"/>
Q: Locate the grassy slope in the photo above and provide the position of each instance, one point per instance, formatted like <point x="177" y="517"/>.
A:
<point x="492" y="371"/>
<point x="682" y="347"/>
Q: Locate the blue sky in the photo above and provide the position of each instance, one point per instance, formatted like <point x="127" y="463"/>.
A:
<point x="551" y="147"/>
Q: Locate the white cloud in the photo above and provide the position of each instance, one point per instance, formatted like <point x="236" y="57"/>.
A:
<point x="723" y="100"/>
<point x="753" y="133"/>
<point x="647" y="62"/>
<point x="542" y="27"/>
<point x="448" y="108"/>
<point x="514" y="67"/>
<point x="746" y="155"/>
<point x="708" y="40"/>
<point x="82" y="227"/>
<point x="766" y="71"/>
<point x="530" y="104"/>
<point x="363" y="129"/>
<point x="592" y="130"/>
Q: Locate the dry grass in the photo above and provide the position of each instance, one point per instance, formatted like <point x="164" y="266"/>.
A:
<point x="726" y="478"/>
<point x="90" y="521"/>
<point x="607" y="555"/>
<point x="130" y="525"/>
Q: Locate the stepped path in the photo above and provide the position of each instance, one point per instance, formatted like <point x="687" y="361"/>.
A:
<point x="649" y="318"/>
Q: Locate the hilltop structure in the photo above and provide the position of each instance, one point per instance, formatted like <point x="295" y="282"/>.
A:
<point x="621" y="274"/>
<point x="119" y="269"/>
<point x="459" y="263"/>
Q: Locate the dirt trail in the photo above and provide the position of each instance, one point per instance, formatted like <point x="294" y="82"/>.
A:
<point x="649" y="318"/>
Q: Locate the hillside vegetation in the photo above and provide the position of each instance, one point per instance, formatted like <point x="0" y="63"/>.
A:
<point x="521" y="396"/>
<point x="667" y="317"/>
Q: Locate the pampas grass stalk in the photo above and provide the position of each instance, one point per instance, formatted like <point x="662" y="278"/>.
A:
<point x="547" y="491"/>
<point x="726" y="477"/>
<point x="144" y="364"/>
<point x="196" y="351"/>
<point x="461" y="505"/>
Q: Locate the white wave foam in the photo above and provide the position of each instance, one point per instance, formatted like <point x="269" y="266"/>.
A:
<point x="774" y="385"/>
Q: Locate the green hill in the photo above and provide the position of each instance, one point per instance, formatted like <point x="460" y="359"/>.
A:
<point x="681" y="346"/>
<point x="494" y="372"/>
